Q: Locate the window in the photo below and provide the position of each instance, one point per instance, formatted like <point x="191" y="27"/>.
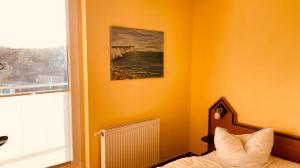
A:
<point x="34" y="84"/>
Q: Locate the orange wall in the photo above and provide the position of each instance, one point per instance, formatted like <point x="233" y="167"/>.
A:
<point x="249" y="52"/>
<point x="167" y="98"/>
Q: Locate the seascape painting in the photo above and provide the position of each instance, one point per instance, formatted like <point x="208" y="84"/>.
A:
<point x="136" y="53"/>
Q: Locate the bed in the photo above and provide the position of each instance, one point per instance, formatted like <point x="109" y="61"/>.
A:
<point x="211" y="161"/>
<point x="285" y="150"/>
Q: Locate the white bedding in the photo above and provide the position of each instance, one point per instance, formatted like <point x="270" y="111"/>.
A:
<point x="211" y="161"/>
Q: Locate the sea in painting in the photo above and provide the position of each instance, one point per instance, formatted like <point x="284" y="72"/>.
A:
<point x="136" y="53"/>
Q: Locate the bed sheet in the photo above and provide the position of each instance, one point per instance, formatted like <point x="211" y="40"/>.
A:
<point x="211" y="161"/>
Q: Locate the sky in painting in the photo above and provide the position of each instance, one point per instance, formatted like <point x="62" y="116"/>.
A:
<point x="142" y="40"/>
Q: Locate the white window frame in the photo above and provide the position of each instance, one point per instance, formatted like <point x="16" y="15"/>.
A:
<point x="76" y="82"/>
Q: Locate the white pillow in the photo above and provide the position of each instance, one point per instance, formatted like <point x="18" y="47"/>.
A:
<point x="244" y="151"/>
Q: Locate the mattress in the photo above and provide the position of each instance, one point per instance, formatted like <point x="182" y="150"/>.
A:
<point x="211" y="161"/>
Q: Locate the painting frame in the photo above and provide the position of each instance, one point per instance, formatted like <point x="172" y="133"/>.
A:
<point x="136" y="53"/>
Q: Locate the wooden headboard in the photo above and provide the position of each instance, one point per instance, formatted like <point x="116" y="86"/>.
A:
<point x="285" y="146"/>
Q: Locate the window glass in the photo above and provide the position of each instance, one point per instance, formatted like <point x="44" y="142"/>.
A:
<point x="33" y="50"/>
<point x="33" y="58"/>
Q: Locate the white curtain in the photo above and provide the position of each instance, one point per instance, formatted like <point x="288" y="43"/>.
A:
<point x="38" y="128"/>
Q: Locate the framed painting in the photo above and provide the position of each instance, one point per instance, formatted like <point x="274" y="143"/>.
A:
<point x="136" y="53"/>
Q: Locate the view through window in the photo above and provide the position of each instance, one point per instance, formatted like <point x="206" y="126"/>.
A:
<point x="34" y="59"/>
<point x="33" y="51"/>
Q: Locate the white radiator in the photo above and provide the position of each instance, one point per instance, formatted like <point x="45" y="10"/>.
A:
<point x="134" y="145"/>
